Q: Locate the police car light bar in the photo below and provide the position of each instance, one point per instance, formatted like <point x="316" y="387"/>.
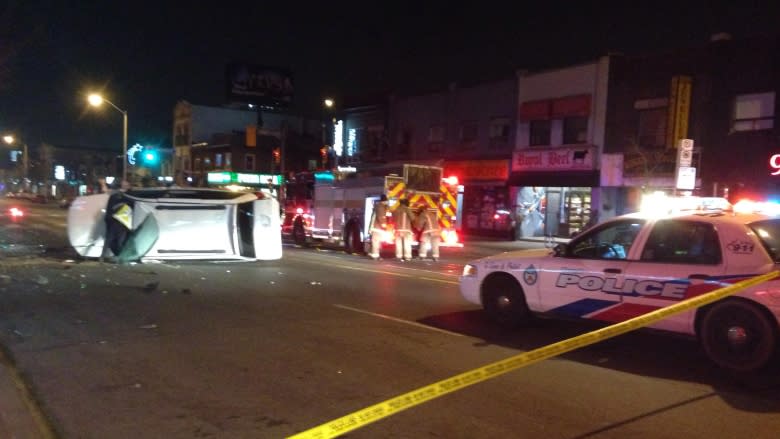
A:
<point x="660" y="204"/>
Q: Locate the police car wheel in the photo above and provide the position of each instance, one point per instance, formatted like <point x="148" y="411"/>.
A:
<point x="504" y="301"/>
<point x="299" y="236"/>
<point x="738" y="335"/>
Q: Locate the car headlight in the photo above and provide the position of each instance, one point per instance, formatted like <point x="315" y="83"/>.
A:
<point x="469" y="270"/>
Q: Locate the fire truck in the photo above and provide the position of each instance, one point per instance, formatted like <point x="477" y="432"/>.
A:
<point x="336" y="207"/>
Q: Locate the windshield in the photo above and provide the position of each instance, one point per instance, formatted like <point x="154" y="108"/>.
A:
<point x="768" y="232"/>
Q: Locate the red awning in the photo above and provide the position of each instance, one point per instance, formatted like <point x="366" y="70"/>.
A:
<point x="535" y="110"/>
<point x="571" y="106"/>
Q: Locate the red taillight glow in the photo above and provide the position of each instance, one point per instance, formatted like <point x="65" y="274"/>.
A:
<point x="299" y="210"/>
<point x="15" y="211"/>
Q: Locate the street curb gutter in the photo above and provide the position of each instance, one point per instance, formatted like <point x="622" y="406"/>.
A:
<point x="360" y="418"/>
<point x="26" y="419"/>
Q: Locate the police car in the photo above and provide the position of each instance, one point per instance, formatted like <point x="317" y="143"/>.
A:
<point x="636" y="263"/>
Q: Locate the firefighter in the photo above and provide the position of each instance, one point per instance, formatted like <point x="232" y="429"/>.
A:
<point x="378" y="226"/>
<point x="403" y="218"/>
<point x="430" y="234"/>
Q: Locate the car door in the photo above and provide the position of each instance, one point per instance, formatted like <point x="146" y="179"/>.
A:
<point x="676" y="261"/>
<point x="584" y="278"/>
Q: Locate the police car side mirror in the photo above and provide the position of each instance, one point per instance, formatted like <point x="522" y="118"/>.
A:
<point x="559" y="250"/>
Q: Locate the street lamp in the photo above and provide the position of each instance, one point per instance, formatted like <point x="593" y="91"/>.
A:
<point x="96" y="100"/>
<point x="10" y="140"/>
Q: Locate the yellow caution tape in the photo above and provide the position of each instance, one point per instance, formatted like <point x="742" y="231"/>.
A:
<point x="392" y="406"/>
<point x="125" y="216"/>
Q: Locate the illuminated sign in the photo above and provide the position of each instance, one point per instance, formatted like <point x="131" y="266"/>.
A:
<point x="338" y="138"/>
<point x="132" y="152"/>
<point x="556" y="159"/>
<point x="244" y="178"/>
<point x="774" y="162"/>
<point x="679" y="110"/>
<point x="248" y="178"/>
<point x="351" y="141"/>
<point x="59" y="172"/>
<point x="219" y="177"/>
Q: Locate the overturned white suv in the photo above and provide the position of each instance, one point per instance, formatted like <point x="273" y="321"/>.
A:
<point x="176" y="223"/>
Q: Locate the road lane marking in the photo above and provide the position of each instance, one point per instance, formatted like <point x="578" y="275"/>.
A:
<point x="396" y="319"/>
<point x="363" y="417"/>
<point x="418" y="277"/>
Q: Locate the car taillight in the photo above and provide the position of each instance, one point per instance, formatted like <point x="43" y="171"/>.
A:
<point x="16" y="212"/>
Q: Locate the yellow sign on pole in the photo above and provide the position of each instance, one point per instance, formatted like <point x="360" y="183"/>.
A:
<point x="679" y="110"/>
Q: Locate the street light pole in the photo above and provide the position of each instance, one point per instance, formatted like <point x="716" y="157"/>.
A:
<point x="95" y="100"/>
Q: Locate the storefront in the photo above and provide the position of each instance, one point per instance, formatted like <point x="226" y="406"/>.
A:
<point x="484" y="201"/>
<point x="248" y="182"/>
<point x="555" y="191"/>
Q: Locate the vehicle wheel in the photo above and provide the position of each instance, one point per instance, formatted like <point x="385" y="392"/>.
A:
<point x="299" y="235"/>
<point x="352" y="243"/>
<point x="738" y="335"/>
<point x="504" y="301"/>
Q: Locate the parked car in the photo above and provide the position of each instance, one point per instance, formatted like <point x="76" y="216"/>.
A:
<point x="637" y="263"/>
<point x="167" y="223"/>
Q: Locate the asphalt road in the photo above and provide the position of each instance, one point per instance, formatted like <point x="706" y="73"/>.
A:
<point x="269" y="349"/>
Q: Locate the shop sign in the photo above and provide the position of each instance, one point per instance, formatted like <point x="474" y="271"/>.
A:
<point x="774" y="163"/>
<point x="556" y="159"/>
<point x="478" y="170"/>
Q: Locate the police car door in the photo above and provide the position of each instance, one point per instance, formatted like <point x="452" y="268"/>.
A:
<point x="585" y="278"/>
<point x="674" y="262"/>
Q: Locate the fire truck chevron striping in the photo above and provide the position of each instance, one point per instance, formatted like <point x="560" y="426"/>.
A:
<point x="340" y="207"/>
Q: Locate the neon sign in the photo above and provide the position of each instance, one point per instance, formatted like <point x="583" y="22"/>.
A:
<point x="774" y="162"/>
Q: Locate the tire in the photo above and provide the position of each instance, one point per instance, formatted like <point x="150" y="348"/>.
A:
<point x="504" y="301"/>
<point x="738" y="335"/>
<point x="299" y="234"/>
<point x="352" y="242"/>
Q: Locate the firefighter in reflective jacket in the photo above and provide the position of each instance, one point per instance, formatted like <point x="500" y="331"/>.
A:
<point x="430" y="234"/>
<point x="378" y="226"/>
<point x="403" y="217"/>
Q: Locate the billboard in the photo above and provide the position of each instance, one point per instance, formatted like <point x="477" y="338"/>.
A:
<point x="258" y="85"/>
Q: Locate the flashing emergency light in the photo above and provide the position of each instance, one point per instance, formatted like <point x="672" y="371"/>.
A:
<point x="660" y="204"/>
<point x="765" y="207"/>
<point x="452" y="180"/>
<point x="299" y="210"/>
<point x="16" y="212"/>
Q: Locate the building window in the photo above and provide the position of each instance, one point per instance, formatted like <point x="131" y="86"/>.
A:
<point x="207" y="163"/>
<point x="469" y="132"/>
<point x="436" y="134"/>
<point x="405" y="141"/>
<point x="753" y="112"/>
<point x="228" y="160"/>
<point x="435" y="138"/>
<point x="499" y="128"/>
<point x="539" y="132"/>
<point x="575" y="130"/>
<point x="249" y="162"/>
<point x="198" y="166"/>
<point x="652" y="128"/>
<point x="218" y="160"/>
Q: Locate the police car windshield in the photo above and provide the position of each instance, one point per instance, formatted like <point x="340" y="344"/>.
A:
<point x="768" y="232"/>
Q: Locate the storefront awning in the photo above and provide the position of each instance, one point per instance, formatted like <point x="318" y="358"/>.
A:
<point x="555" y="179"/>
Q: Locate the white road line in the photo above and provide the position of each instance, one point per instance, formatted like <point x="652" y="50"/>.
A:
<point x="395" y="319"/>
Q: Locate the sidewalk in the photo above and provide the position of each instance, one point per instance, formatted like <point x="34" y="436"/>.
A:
<point x="19" y="417"/>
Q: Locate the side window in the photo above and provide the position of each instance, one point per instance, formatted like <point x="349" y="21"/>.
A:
<point x="682" y="242"/>
<point x="608" y="241"/>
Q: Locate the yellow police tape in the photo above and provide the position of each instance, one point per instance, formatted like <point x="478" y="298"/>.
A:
<point x="407" y="400"/>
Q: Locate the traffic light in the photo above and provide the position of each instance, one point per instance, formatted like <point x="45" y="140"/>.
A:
<point x="150" y="157"/>
<point x="324" y="154"/>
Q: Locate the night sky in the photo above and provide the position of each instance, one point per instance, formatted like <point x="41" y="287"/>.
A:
<point x="146" y="58"/>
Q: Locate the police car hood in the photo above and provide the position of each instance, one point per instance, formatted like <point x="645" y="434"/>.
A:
<point x="518" y="255"/>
